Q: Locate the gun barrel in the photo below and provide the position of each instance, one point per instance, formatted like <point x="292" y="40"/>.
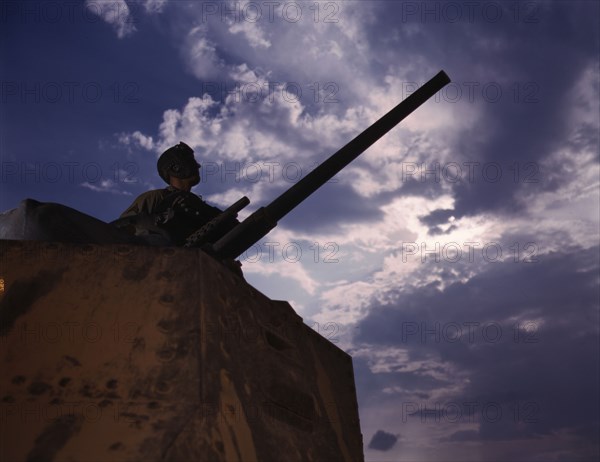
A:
<point x="237" y="206"/>
<point x="257" y="225"/>
<point x="328" y="169"/>
<point x="212" y="229"/>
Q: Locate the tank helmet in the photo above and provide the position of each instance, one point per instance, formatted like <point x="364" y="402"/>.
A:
<point x="177" y="161"/>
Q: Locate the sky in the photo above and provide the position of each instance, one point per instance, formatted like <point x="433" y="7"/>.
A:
<point x="456" y="260"/>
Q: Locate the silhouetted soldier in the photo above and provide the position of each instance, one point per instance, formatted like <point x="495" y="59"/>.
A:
<point x="174" y="212"/>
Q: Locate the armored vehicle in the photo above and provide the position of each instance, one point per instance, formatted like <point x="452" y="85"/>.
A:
<point x="116" y="350"/>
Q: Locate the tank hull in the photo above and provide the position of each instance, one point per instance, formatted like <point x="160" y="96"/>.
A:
<point x="126" y="352"/>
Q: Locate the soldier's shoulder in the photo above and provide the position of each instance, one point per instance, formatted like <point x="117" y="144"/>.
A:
<point x="145" y="202"/>
<point x="153" y="193"/>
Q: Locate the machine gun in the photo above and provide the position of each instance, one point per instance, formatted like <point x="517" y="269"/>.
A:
<point x="212" y="230"/>
<point x="262" y="221"/>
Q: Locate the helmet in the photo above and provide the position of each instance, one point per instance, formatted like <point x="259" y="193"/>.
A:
<point x="177" y="161"/>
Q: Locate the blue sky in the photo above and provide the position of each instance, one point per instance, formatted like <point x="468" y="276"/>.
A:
<point x="457" y="260"/>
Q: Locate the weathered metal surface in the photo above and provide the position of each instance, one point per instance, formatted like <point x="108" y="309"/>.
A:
<point x="124" y="352"/>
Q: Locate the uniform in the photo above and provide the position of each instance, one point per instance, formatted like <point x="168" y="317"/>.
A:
<point x="170" y="212"/>
<point x="147" y="202"/>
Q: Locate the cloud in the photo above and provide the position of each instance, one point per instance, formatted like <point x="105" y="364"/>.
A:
<point x="137" y="139"/>
<point x="248" y="25"/>
<point x="107" y="186"/>
<point x="204" y="58"/>
<point x="123" y="16"/>
<point x="114" y="12"/>
<point x="294" y="272"/>
<point x="383" y="441"/>
<point x="154" y="6"/>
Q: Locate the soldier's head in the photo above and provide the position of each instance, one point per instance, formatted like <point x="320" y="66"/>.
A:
<point x="178" y="166"/>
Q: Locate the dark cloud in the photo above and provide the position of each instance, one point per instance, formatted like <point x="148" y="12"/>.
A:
<point x="327" y="208"/>
<point x="438" y="217"/>
<point x="526" y="336"/>
<point x="534" y="60"/>
<point x="383" y="441"/>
